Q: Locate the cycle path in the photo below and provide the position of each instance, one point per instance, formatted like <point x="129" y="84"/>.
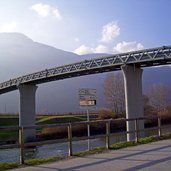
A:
<point x="148" y="157"/>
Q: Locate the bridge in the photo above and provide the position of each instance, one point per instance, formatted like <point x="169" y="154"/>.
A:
<point x="130" y="63"/>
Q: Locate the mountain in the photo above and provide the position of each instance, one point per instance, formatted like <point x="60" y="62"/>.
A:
<point x="19" y="55"/>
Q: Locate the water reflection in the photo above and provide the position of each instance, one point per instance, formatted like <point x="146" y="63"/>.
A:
<point x="9" y="155"/>
<point x="53" y="149"/>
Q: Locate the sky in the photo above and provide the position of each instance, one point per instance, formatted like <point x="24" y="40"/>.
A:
<point x="90" y="26"/>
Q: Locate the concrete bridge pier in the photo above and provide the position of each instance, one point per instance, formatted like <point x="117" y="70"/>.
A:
<point x="133" y="98"/>
<point x="27" y="110"/>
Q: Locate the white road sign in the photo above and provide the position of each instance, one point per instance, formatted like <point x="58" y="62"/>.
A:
<point x="87" y="97"/>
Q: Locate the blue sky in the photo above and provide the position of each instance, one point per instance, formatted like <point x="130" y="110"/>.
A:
<point x="90" y="26"/>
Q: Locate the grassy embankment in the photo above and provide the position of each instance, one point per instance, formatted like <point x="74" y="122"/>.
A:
<point x="61" y="132"/>
<point x="8" y="120"/>
<point x="12" y="120"/>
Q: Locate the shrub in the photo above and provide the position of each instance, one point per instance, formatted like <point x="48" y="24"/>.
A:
<point x="52" y="132"/>
<point x="106" y="113"/>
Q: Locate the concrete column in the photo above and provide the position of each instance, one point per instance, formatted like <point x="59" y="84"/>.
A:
<point x="27" y="110"/>
<point x="133" y="98"/>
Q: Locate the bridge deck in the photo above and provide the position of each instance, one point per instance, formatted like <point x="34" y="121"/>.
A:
<point x="153" y="156"/>
<point x="142" y="58"/>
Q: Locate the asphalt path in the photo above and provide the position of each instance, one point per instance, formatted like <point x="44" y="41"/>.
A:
<point x="149" y="157"/>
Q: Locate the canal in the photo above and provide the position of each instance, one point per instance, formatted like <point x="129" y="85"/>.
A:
<point x="12" y="155"/>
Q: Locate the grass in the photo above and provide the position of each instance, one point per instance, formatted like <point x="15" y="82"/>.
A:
<point x="47" y="118"/>
<point x="91" y="151"/>
<point x="145" y="140"/>
<point x="121" y="145"/>
<point x="6" y="135"/>
<point x="41" y="160"/>
<point x="116" y="146"/>
<point x="60" y="119"/>
<point x="8" y="121"/>
<point x="13" y="120"/>
<point x="7" y="166"/>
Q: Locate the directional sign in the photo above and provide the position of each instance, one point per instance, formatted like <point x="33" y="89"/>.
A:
<point x="87" y="91"/>
<point x="87" y="102"/>
<point x="87" y="97"/>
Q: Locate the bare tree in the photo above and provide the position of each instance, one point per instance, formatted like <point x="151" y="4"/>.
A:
<point x="114" y="92"/>
<point x="159" y="98"/>
<point x="148" y="108"/>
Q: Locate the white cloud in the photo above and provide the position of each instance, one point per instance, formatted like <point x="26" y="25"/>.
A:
<point x="127" y="47"/>
<point x="77" y="39"/>
<point x="83" y="50"/>
<point x="109" y="32"/>
<point x="56" y="13"/>
<point x="100" y="49"/>
<point x="42" y="9"/>
<point x="86" y="49"/>
<point x="45" y="10"/>
<point x="8" y="27"/>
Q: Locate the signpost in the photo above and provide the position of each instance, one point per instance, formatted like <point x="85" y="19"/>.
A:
<point x="87" y="99"/>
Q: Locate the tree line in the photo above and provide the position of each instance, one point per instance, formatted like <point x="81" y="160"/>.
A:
<point x="157" y="100"/>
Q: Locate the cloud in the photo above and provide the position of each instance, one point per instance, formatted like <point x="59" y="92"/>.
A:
<point x="56" y="13"/>
<point x="100" y="49"/>
<point x="109" y="32"/>
<point x="83" y="50"/>
<point x="127" y="47"/>
<point x="86" y="49"/>
<point x="45" y="10"/>
<point x="77" y="39"/>
<point x="8" y="27"/>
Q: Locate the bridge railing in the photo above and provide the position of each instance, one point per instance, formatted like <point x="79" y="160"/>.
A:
<point x="22" y="145"/>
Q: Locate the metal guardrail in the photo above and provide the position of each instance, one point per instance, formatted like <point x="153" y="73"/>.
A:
<point x="142" y="58"/>
<point x="22" y="145"/>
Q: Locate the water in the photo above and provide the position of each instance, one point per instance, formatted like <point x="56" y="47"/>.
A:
<point x="12" y="155"/>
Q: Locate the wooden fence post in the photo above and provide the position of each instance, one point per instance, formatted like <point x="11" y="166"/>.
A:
<point x="108" y="134"/>
<point x="159" y="127"/>
<point x="70" y="140"/>
<point x="136" y="130"/>
<point x="21" y="143"/>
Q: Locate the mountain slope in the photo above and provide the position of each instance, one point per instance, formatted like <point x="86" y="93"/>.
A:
<point x="20" y="55"/>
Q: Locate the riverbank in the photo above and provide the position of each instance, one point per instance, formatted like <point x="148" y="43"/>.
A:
<point x="7" y="120"/>
<point x="74" y="162"/>
<point x="78" y="130"/>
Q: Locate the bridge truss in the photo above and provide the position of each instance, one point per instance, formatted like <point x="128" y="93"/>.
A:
<point x="142" y="58"/>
